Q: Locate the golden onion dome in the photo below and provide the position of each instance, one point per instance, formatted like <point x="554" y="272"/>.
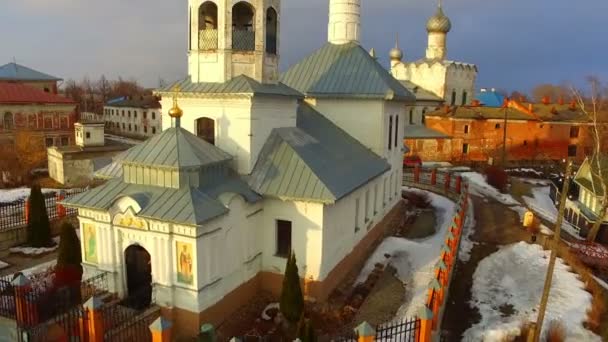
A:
<point x="175" y="112"/>
<point x="439" y="23"/>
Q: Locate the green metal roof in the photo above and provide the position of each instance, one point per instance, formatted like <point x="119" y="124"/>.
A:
<point x="310" y="162"/>
<point x="344" y="71"/>
<point x="175" y="148"/>
<point x="184" y="206"/>
<point x="238" y="85"/>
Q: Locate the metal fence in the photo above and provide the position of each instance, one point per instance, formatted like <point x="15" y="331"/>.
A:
<point x="13" y="214"/>
<point x="73" y="323"/>
<point x="207" y="39"/>
<point x="404" y="331"/>
<point x="243" y="40"/>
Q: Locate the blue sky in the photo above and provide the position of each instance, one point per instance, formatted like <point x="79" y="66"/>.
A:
<point x="515" y="43"/>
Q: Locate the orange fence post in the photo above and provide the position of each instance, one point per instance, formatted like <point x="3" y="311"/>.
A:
<point x="442" y="268"/>
<point x="426" y="325"/>
<point x="95" y="319"/>
<point x="60" y="208"/>
<point x="446" y="254"/>
<point x="365" y="332"/>
<point x="416" y="174"/>
<point x="450" y="240"/>
<point x="434" y="177"/>
<point x="448" y="180"/>
<point x="26" y="312"/>
<point x="458" y="184"/>
<point x="161" y="330"/>
<point x="27" y="211"/>
<point x="56" y="333"/>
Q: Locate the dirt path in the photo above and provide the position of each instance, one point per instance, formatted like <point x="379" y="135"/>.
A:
<point x="496" y="226"/>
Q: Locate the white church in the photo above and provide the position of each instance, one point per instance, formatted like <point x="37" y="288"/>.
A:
<point x="253" y="164"/>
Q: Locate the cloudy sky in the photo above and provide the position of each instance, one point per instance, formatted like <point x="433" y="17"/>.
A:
<point x="515" y="43"/>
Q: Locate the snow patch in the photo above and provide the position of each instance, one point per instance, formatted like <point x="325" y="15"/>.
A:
<point x="37" y="251"/>
<point x="414" y="260"/>
<point x="513" y="278"/>
<point x="542" y="204"/>
<point x="267" y="308"/>
<point x="466" y="242"/>
<point x="12" y="195"/>
<point x="3" y="264"/>
<point x="479" y="186"/>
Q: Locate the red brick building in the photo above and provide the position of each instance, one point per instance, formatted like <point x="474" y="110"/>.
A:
<point x="29" y="102"/>
<point x="534" y="132"/>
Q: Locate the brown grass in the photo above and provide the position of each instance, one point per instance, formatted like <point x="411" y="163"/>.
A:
<point x="556" y="332"/>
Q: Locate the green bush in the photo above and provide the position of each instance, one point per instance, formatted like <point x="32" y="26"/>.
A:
<point x="292" y="300"/>
<point x="38" y="226"/>
<point x="69" y="253"/>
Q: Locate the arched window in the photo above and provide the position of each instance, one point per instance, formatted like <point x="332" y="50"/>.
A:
<point x="271" y="30"/>
<point x="243" y="29"/>
<point x="205" y="129"/>
<point x="464" y="97"/>
<point x="207" y="26"/>
<point x="8" y="120"/>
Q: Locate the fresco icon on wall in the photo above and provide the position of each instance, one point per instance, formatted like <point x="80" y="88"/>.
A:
<point x="184" y="263"/>
<point x="90" y="243"/>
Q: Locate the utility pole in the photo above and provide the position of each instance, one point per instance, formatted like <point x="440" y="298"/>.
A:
<point x="554" y="244"/>
<point x="504" y="135"/>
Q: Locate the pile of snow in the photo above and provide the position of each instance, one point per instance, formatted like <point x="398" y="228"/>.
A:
<point x="123" y="140"/>
<point x="542" y="204"/>
<point x="466" y="242"/>
<point x="3" y="264"/>
<point x="514" y="277"/>
<point x="37" y="251"/>
<point x="526" y="170"/>
<point x="12" y="195"/>
<point x="271" y="306"/>
<point x="414" y="260"/>
<point x="479" y="186"/>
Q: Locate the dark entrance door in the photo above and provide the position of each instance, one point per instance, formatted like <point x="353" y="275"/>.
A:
<point x="205" y="129"/>
<point x="139" y="277"/>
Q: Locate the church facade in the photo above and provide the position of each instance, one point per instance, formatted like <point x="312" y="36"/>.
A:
<point x="251" y="166"/>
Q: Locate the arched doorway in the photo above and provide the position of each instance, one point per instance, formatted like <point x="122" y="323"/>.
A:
<point x="139" y="277"/>
<point x="205" y="129"/>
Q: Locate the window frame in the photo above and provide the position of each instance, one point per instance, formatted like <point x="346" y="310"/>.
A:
<point x="279" y="248"/>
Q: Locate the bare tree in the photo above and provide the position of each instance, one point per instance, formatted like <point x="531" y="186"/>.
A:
<point x="552" y="92"/>
<point x="592" y="107"/>
<point x="103" y="88"/>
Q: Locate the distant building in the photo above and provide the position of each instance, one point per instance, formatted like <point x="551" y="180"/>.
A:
<point x="434" y="79"/>
<point x="584" y="211"/>
<point x="34" y="106"/>
<point x="534" y="132"/>
<point x="13" y="72"/>
<point x="490" y="98"/>
<point x="76" y="165"/>
<point x="138" y="117"/>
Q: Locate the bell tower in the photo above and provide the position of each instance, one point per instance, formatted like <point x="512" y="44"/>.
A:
<point x="228" y="38"/>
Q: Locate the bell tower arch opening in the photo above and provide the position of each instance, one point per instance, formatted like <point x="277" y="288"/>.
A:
<point x="272" y="28"/>
<point x="243" y="27"/>
<point x="207" y="26"/>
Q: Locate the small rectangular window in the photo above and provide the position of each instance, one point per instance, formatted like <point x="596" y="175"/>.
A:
<point x="375" y="199"/>
<point x="411" y="116"/>
<point x="145" y="115"/>
<point x="153" y="116"/>
<point x="465" y="148"/>
<point x="283" y="238"/>
<point x="65" y="141"/>
<point x="574" y="132"/>
<point x="48" y="142"/>
<point x="572" y="150"/>
<point x="466" y="129"/>
<point x="396" y="129"/>
<point x="497" y="126"/>
<point x="367" y="206"/>
<point x="145" y="129"/>
<point x="384" y="193"/>
<point x="357" y="215"/>
<point x="135" y="114"/>
<point x="390" y="132"/>
<point x="88" y="134"/>
<point x="153" y="130"/>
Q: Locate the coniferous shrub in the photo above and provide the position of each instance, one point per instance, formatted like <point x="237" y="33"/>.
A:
<point x="292" y="300"/>
<point x="68" y="272"/>
<point x="306" y="331"/>
<point x="39" y="226"/>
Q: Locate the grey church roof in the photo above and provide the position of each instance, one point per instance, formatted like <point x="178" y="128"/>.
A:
<point x="175" y="148"/>
<point x="420" y="93"/>
<point x="238" y="85"/>
<point x="315" y="161"/>
<point x="344" y="71"/>
<point x="17" y="72"/>
<point x="183" y="206"/>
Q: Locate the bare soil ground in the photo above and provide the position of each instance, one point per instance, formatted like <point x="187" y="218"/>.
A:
<point x="495" y="226"/>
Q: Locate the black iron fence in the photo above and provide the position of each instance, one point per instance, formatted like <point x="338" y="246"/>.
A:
<point x="243" y="40"/>
<point x="13" y="214"/>
<point x="73" y="323"/>
<point x="404" y="331"/>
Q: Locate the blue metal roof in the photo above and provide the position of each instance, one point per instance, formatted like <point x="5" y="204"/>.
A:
<point x="16" y="72"/>
<point x="490" y="98"/>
